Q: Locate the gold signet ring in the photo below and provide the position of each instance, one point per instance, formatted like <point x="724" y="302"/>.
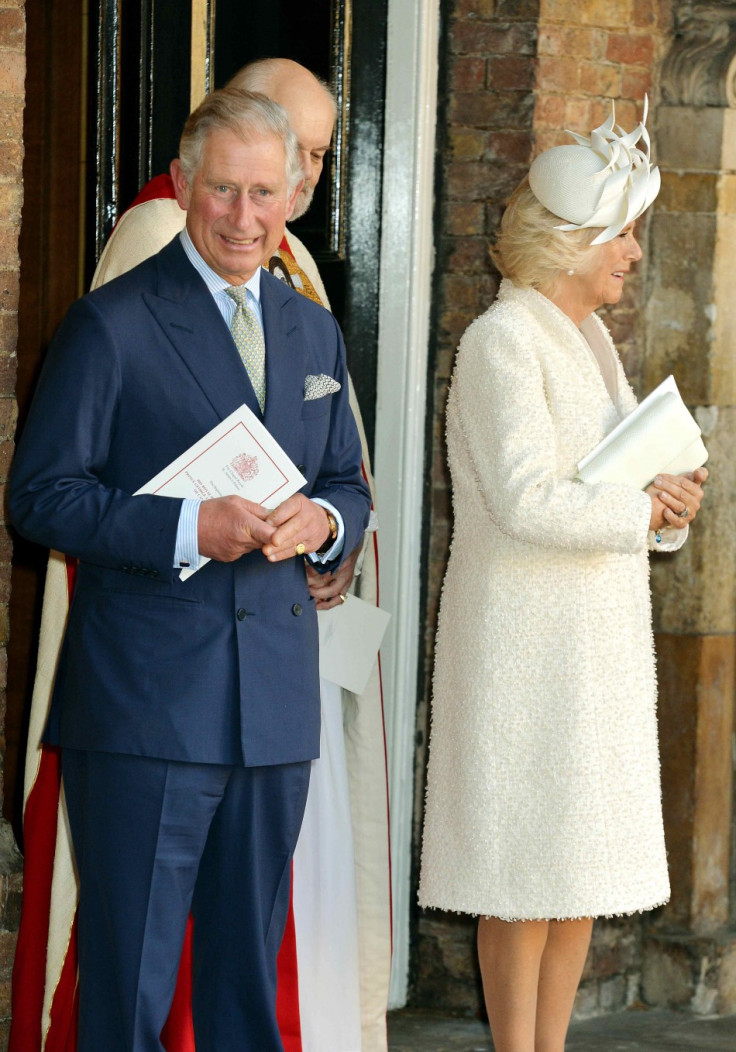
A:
<point x="300" y="549"/>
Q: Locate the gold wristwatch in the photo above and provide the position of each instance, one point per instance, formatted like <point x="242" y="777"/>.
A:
<point x="332" y="523"/>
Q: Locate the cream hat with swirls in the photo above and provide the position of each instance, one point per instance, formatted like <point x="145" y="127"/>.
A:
<point x="604" y="181"/>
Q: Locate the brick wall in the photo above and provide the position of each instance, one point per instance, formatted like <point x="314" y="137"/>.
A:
<point x="12" y="80"/>
<point x="514" y="76"/>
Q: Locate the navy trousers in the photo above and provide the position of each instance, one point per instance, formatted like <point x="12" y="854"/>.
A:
<point x="154" y="839"/>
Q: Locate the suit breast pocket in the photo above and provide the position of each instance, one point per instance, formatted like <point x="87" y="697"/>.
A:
<point x="316" y="407"/>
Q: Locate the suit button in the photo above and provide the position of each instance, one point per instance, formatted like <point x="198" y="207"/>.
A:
<point x="241" y="614"/>
<point x="300" y="467"/>
<point x="296" y="609"/>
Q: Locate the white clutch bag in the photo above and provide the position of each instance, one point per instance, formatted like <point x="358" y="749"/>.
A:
<point x="659" y="437"/>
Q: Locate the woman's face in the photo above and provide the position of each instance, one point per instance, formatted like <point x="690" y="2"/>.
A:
<point x="602" y="280"/>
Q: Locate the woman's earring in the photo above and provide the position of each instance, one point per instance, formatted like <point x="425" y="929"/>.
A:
<point x="570" y="273"/>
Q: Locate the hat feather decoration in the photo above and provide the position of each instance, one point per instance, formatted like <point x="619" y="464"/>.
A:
<point x="604" y="180"/>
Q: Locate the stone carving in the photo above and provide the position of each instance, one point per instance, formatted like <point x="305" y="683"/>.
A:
<point x="700" y="67"/>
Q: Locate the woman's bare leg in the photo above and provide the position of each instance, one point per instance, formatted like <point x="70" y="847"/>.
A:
<point x="510" y="955"/>
<point x="562" y="965"/>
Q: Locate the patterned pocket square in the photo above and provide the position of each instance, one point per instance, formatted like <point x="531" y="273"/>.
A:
<point x="319" y="386"/>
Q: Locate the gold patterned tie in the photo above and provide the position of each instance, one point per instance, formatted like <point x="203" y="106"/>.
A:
<point x="249" y="341"/>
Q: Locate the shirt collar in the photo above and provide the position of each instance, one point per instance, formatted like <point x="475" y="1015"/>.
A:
<point x="212" y="280"/>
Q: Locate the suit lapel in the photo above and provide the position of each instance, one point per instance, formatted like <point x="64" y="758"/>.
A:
<point x="188" y="316"/>
<point x="286" y="364"/>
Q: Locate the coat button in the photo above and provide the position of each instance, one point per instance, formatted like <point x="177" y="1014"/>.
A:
<point x="296" y="609"/>
<point x="241" y="614"/>
<point x="300" y="467"/>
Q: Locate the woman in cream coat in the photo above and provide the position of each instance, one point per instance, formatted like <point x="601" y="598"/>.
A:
<point x="543" y="800"/>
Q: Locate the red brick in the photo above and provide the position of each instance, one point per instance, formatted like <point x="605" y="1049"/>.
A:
<point x="597" y="78"/>
<point x="632" y="50"/>
<point x="8" y="418"/>
<point x="468" y="73"/>
<point x="517" y="10"/>
<point x="557" y="74"/>
<point x="8" y="245"/>
<point x="645" y="14"/>
<point x="469" y="256"/>
<point x="573" y="42"/>
<point x="549" y="111"/>
<point x="11" y="200"/>
<point x="511" y="72"/>
<point x="9" y="289"/>
<point x="8" y="332"/>
<point x="463" y="218"/>
<point x="8" y="374"/>
<point x="474" y="9"/>
<point x="636" y="83"/>
<point x="579" y="115"/>
<point x="12" y="27"/>
<point x="545" y="140"/>
<point x="604" y="13"/>
<point x="11" y="117"/>
<point x="12" y="72"/>
<point x="11" y="160"/>
<point x="467" y="144"/>
<point x="591" y="12"/>
<point x="6" y="455"/>
<point x="492" y="110"/>
<point x="476" y="182"/>
<point x="510" y="147"/>
<point x="480" y="38"/>
<point x="6" y="546"/>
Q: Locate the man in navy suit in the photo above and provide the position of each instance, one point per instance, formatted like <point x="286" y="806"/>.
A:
<point x="188" y="711"/>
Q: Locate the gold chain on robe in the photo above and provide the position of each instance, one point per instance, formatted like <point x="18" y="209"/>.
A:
<point x="285" y="267"/>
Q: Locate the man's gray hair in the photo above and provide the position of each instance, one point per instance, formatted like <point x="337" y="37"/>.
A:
<point x="246" y="114"/>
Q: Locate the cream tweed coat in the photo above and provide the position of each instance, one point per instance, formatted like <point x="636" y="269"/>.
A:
<point x="543" y="796"/>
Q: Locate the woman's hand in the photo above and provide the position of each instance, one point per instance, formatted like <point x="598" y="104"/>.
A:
<point x="676" y="499"/>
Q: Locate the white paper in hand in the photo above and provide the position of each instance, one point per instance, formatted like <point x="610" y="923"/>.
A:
<point x="237" y="457"/>
<point x="659" y="436"/>
<point x="349" y="638"/>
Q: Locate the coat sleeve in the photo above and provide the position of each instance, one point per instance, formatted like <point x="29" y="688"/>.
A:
<point x="340" y="479"/>
<point x="60" y="492"/>
<point x="508" y="434"/>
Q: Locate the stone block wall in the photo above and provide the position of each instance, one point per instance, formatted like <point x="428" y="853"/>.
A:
<point x="515" y="75"/>
<point x="12" y="82"/>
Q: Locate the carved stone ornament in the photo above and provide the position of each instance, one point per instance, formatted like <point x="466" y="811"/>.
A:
<point x="700" y="67"/>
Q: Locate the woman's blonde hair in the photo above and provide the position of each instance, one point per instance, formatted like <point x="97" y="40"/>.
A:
<point x="530" y="251"/>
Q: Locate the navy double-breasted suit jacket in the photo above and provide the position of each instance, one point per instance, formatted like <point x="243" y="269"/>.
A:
<point x="222" y="668"/>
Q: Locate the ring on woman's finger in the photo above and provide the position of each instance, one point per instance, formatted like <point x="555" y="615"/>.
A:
<point x="342" y="597"/>
<point x="684" y="513"/>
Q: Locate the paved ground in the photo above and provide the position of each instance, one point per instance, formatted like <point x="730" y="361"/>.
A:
<point x="634" y="1031"/>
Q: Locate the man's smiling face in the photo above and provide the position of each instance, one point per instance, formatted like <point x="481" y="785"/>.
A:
<point x="238" y="202"/>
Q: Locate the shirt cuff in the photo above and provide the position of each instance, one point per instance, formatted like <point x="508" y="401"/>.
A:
<point x="337" y="547"/>
<point x="186" y="551"/>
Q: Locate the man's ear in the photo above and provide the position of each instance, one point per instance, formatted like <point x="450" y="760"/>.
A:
<point x="292" y="201"/>
<point x="181" y="186"/>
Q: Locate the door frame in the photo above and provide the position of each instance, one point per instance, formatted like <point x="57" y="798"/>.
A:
<point x="407" y="257"/>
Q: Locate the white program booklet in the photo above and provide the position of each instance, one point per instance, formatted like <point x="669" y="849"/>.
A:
<point x="659" y="437"/>
<point x="237" y="457"/>
<point x="349" y="638"/>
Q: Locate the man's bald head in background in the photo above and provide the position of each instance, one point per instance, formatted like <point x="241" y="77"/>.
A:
<point x="309" y="105"/>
